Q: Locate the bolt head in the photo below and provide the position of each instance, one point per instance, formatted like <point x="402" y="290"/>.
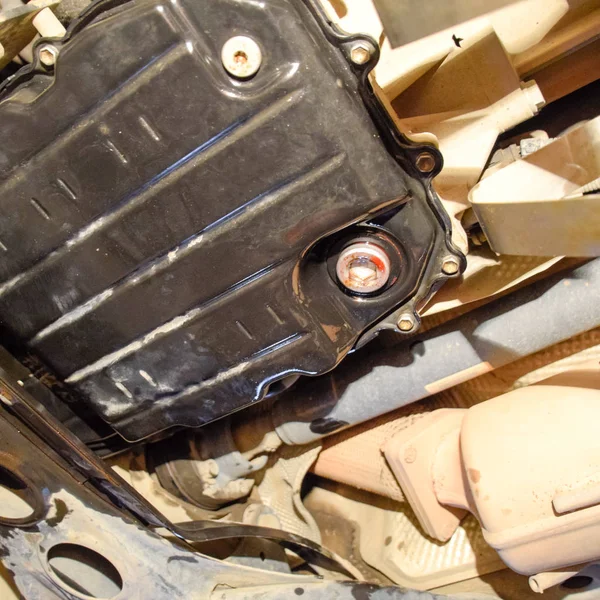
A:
<point x="360" y="54"/>
<point x="48" y="54"/>
<point x="426" y="162"/>
<point x="363" y="268"/>
<point x="451" y="266"/>
<point x="406" y="323"/>
<point x="241" y="56"/>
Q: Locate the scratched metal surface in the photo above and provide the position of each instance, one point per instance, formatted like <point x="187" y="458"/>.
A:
<point x="158" y="216"/>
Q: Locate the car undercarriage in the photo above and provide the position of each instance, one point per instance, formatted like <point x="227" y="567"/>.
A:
<point x="300" y="298"/>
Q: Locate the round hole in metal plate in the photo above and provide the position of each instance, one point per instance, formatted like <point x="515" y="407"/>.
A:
<point x="84" y="571"/>
<point x="15" y="502"/>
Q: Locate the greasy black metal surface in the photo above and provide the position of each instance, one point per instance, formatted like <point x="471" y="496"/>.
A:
<point x="82" y="464"/>
<point x="166" y="228"/>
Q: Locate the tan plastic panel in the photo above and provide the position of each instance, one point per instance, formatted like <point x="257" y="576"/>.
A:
<point x="527" y="464"/>
<point x="536" y="206"/>
<point x="392" y="541"/>
<point x="523" y="451"/>
<point x="412" y="454"/>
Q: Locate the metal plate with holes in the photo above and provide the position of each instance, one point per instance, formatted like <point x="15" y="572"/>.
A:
<point x="170" y="230"/>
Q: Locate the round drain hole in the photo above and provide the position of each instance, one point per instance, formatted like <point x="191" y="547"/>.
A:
<point x="84" y="571"/>
<point x="17" y="504"/>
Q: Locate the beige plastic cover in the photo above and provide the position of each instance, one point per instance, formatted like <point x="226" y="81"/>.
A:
<point x="527" y="464"/>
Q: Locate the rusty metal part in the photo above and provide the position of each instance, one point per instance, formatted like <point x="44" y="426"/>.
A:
<point x="354" y="456"/>
<point x="456" y="461"/>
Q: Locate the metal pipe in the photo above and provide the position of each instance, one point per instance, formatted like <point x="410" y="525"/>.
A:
<point x="371" y="383"/>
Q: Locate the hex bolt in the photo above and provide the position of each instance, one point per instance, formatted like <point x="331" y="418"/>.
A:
<point x="425" y="162"/>
<point x="450" y="266"/>
<point x="406" y="322"/>
<point x="241" y="57"/>
<point x="48" y="54"/>
<point x="363" y="268"/>
<point x="360" y="53"/>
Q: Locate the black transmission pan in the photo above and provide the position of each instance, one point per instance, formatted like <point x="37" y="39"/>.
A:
<point x="167" y="230"/>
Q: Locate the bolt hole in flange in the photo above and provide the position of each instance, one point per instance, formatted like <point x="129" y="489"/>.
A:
<point x="84" y="572"/>
<point x="17" y="504"/>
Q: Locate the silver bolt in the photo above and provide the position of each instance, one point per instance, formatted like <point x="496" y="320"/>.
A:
<point x="363" y="267"/>
<point x="48" y="54"/>
<point x="241" y="56"/>
<point x="450" y="266"/>
<point x="360" y="53"/>
<point x="406" y="322"/>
